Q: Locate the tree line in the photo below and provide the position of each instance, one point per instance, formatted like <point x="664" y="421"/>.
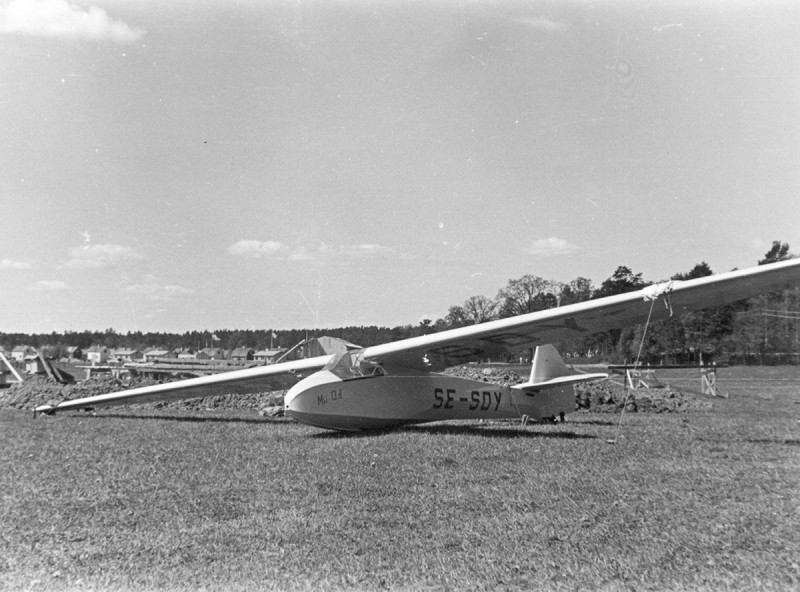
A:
<point x="764" y="329"/>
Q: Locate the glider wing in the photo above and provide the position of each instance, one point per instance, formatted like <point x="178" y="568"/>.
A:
<point x="250" y="380"/>
<point x="468" y="344"/>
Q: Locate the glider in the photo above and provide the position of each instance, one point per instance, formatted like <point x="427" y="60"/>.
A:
<point x="402" y="382"/>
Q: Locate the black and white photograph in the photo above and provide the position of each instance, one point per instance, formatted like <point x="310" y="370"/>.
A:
<point x="307" y="295"/>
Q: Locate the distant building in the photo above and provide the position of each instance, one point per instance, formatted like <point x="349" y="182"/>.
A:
<point x="97" y="354"/>
<point x="74" y="352"/>
<point x="154" y="354"/>
<point x="19" y="353"/>
<point x="186" y="354"/>
<point x="269" y="356"/>
<point x="129" y="355"/>
<point x="242" y="354"/>
<point x="211" y="353"/>
<point x="34" y="364"/>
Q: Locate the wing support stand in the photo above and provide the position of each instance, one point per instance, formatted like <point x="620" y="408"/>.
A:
<point x="651" y="294"/>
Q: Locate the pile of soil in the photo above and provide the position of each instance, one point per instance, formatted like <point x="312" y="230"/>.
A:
<point x="601" y="397"/>
<point x="605" y="397"/>
<point x="41" y="390"/>
<point x="493" y="374"/>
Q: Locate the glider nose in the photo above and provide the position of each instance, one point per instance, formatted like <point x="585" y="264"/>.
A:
<point x="294" y="403"/>
<point x="290" y="399"/>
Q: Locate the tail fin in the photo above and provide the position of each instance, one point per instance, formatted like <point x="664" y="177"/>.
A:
<point x="549" y="371"/>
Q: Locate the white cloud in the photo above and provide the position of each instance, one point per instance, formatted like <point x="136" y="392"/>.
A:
<point x="550" y="246"/>
<point x="542" y="23"/>
<point x="157" y="292"/>
<point x="301" y="254"/>
<point x="49" y="286"/>
<point x="344" y="252"/>
<point x="11" y="264"/>
<point x="100" y="255"/>
<point x="366" y="251"/>
<point x="253" y="249"/>
<point x="64" y="20"/>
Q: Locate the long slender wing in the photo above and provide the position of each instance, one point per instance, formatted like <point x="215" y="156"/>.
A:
<point x="459" y="346"/>
<point x="251" y="380"/>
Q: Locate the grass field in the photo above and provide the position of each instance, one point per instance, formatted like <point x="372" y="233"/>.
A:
<point x="173" y="500"/>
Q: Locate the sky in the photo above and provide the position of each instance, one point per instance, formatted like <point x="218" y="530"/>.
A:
<point x="176" y="166"/>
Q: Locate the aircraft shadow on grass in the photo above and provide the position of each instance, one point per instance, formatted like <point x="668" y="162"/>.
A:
<point x="507" y="431"/>
<point x="189" y="419"/>
<point x="778" y="441"/>
<point x="595" y="422"/>
<point x="785" y="442"/>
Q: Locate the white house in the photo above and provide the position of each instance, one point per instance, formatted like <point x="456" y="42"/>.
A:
<point x="19" y="353"/>
<point x="97" y="354"/>
<point x="268" y="356"/>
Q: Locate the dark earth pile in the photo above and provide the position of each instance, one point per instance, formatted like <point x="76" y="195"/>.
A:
<point x="599" y="397"/>
<point x="603" y="397"/>
<point x="40" y="390"/>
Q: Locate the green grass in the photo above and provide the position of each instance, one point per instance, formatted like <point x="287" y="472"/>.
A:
<point x="165" y="499"/>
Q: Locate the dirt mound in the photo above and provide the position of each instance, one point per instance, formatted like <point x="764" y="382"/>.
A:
<point x="603" y="397"/>
<point x="493" y="374"/>
<point x="40" y="390"/>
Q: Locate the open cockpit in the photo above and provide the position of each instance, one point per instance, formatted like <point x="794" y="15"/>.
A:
<point x="351" y="365"/>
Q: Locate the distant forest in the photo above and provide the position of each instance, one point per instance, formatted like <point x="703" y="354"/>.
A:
<point x="761" y="330"/>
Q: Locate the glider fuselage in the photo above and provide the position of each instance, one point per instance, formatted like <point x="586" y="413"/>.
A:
<point x="373" y="402"/>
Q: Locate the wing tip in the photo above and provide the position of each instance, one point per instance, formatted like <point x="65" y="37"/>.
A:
<point x="44" y="409"/>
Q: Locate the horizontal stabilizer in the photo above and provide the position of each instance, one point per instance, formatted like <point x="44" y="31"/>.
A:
<point x="560" y="381"/>
<point x="549" y="371"/>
